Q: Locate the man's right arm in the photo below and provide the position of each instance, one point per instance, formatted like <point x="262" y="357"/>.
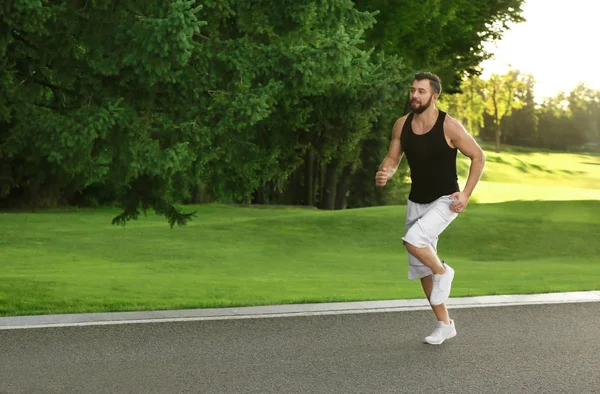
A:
<point x="390" y="163"/>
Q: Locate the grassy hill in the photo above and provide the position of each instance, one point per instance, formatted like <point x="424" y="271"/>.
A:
<point x="521" y="174"/>
<point x="76" y="261"/>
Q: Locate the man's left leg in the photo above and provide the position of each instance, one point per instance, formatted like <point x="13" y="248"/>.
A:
<point x="417" y="270"/>
<point x="445" y="326"/>
<point x="440" y="311"/>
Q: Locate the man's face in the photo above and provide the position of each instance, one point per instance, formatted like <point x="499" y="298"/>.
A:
<point x="421" y="96"/>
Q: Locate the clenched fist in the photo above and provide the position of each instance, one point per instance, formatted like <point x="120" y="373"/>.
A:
<point x="381" y="177"/>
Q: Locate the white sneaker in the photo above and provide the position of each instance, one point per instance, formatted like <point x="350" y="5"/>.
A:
<point x="441" y="333"/>
<point x="441" y="286"/>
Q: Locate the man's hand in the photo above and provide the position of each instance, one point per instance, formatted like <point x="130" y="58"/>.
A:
<point x="381" y="177"/>
<point x="460" y="202"/>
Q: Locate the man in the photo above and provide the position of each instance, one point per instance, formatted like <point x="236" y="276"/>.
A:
<point x="430" y="139"/>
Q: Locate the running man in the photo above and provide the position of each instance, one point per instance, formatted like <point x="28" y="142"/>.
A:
<point x="430" y="139"/>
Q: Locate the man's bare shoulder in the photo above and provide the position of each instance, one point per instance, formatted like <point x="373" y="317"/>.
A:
<point x="399" y="125"/>
<point x="402" y="119"/>
<point x="453" y="126"/>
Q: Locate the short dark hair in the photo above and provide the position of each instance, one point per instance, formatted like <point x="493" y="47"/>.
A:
<point x="434" y="80"/>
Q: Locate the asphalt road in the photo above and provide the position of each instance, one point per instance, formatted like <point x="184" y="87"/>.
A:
<point x="517" y="349"/>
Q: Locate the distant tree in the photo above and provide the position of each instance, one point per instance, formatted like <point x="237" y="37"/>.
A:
<point x="520" y="128"/>
<point x="584" y="108"/>
<point x="501" y="100"/>
<point x="468" y="106"/>
<point x="488" y="130"/>
<point x="570" y="121"/>
<point x="554" y="122"/>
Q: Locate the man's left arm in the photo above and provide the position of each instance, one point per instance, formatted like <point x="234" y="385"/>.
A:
<point x="466" y="144"/>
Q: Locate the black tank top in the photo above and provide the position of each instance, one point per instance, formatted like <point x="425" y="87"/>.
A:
<point x="431" y="160"/>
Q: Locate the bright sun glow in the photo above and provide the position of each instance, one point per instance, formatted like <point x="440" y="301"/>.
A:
<point x="557" y="44"/>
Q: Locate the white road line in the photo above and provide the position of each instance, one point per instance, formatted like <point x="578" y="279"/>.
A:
<point x="592" y="297"/>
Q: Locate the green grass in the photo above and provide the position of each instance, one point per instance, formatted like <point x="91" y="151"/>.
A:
<point x="66" y="261"/>
<point x="516" y="175"/>
<point x="77" y="262"/>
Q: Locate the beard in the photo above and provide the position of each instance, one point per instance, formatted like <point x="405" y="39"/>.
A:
<point x="421" y="108"/>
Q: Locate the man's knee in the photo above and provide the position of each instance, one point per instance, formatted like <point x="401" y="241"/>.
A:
<point x="416" y="237"/>
<point x="409" y="246"/>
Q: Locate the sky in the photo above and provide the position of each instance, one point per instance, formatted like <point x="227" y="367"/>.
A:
<point x="558" y="44"/>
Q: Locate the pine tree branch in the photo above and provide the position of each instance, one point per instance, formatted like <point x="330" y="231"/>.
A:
<point x="22" y="39"/>
<point x="53" y="87"/>
<point x="172" y="214"/>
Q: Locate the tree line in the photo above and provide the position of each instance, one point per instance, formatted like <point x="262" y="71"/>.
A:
<point x="145" y="104"/>
<point x="503" y="110"/>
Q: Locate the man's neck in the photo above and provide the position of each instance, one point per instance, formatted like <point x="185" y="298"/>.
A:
<point x="428" y="116"/>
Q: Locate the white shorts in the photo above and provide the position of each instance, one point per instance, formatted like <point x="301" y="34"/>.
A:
<point x="424" y="224"/>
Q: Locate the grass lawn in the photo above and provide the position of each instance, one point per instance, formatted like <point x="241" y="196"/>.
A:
<point x="516" y="175"/>
<point x="76" y="261"/>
